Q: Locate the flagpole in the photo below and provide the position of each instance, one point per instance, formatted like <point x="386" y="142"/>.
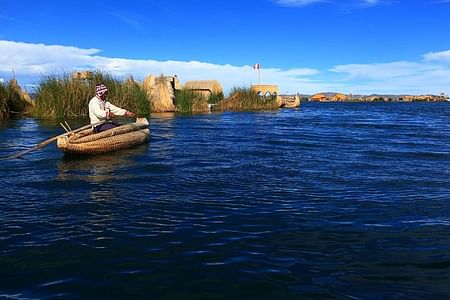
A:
<point x="257" y="67"/>
<point x="259" y="76"/>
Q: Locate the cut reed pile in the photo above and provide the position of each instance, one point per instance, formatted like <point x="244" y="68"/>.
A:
<point x="65" y="97"/>
<point x="13" y="101"/>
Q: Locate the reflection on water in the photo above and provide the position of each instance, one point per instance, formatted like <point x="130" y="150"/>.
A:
<point x="99" y="168"/>
<point x="26" y="133"/>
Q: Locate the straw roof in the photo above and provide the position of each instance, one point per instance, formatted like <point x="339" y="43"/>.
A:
<point x="84" y="75"/>
<point x="211" y="85"/>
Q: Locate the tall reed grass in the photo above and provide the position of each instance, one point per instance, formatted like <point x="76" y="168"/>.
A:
<point x="214" y="98"/>
<point x="65" y="97"/>
<point x="187" y="101"/>
<point x="3" y="101"/>
<point x="245" y="99"/>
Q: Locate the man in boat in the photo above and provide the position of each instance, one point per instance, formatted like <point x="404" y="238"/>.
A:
<point x="100" y="109"/>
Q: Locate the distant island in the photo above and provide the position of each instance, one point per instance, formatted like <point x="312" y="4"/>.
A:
<point x="339" y="97"/>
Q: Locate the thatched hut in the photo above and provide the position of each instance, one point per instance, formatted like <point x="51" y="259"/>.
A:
<point x="268" y="90"/>
<point x="319" y="97"/>
<point x="83" y="75"/>
<point x="206" y="88"/>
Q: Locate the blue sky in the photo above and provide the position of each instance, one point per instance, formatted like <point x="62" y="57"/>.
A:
<point x="306" y="46"/>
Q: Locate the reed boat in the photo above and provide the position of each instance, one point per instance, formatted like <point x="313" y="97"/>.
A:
<point x="118" y="138"/>
<point x="289" y="101"/>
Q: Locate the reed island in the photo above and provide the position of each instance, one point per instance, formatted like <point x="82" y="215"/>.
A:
<point x="67" y="95"/>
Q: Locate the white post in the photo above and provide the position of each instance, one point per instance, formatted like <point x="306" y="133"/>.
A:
<point x="257" y="67"/>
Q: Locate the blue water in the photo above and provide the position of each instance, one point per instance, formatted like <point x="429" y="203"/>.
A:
<point x="330" y="201"/>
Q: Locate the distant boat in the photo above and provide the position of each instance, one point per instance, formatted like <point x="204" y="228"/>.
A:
<point x="288" y="101"/>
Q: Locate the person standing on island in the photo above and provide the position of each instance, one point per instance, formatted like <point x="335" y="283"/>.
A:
<point x="101" y="109"/>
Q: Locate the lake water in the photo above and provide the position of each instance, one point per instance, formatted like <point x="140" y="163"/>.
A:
<point x="330" y="201"/>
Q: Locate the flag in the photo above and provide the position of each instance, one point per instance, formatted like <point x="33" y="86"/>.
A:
<point x="256" y="66"/>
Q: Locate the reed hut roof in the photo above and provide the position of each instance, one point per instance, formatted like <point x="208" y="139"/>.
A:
<point x="86" y="75"/>
<point x="212" y="85"/>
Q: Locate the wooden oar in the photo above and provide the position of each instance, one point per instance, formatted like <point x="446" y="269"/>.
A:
<point x="46" y="142"/>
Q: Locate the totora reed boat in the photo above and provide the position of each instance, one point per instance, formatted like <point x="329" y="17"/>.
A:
<point x="118" y="138"/>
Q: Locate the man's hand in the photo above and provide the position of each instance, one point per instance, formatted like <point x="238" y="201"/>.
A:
<point x="110" y="115"/>
<point x="129" y="114"/>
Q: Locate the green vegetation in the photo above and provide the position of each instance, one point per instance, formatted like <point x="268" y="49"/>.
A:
<point x="240" y="99"/>
<point x="3" y="101"/>
<point x="137" y="99"/>
<point x="65" y="97"/>
<point x="245" y="99"/>
<point x="62" y="97"/>
<point x="214" y="98"/>
<point x="187" y="101"/>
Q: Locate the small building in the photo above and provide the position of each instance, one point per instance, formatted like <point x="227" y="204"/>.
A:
<point x="319" y="97"/>
<point x="339" y="97"/>
<point x="265" y="89"/>
<point x="206" y="88"/>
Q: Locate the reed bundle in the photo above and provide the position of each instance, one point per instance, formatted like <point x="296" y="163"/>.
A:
<point x="13" y="100"/>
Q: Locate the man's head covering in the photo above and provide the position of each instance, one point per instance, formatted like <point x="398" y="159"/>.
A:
<point x="100" y="90"/>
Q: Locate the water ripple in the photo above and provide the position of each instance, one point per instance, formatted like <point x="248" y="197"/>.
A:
<point x="328" y="201"/>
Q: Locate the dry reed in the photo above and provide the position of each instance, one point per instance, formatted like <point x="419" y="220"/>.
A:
<point x="12" y="100"/>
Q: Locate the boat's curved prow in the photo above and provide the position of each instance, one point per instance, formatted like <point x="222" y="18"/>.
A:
<point x="141" y="121"/>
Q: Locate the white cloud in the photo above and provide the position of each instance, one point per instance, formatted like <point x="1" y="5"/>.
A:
<point x="35" y="60"/>
<point x="380" y="71"/>
<point x="130" y="21"/>
<point x="396" y="77"/>
<point x="443" y="56"/>
<point x="370" y="3"/>
<point x="351" y="4"/>
<point x="2" y="80"/>
<point x="441" y="2"/>
<point x="298" y="2"/>
<point x="30" y="62"/>
<point x="8" y="18"/>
